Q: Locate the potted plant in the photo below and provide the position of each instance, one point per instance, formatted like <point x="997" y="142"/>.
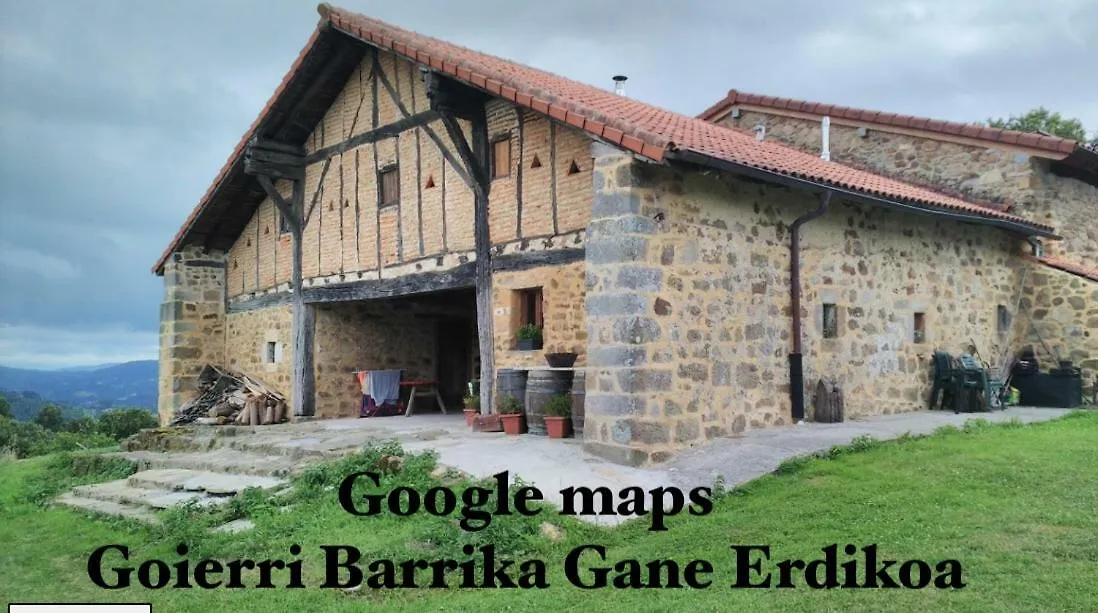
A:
<point x="529" y="338"/>
<point x="558" y="416"/>
<point x="472" y="407"/>
<point x="512" y="416"/>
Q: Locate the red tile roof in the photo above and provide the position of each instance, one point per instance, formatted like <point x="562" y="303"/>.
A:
<point x="1054" y="145"/>
<point x="1075" y="268"/>
<point x="631" y="124"/>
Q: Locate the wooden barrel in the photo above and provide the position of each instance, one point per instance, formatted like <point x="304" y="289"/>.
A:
<point x="579" y="390"/>
<point x="542" y="385"/>
<point x="511" y="382"/>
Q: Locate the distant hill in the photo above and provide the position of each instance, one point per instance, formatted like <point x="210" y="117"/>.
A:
<point x="130" y="384"/>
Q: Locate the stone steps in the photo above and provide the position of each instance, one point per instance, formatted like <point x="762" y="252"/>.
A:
<point x="105" y="507"/>
<point x="122" y="492"/>
<point x="215" y="484"/>
<point x="223" y="460"/>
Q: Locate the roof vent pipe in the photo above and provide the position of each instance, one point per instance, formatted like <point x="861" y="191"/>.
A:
<point x="619" y="85"/>
<point x="825" y="152"/>
<point x="760" y="131"/>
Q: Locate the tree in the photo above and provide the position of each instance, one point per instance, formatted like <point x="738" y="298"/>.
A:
<point x="5" y="407"/>
<point x="122" y="423"/>
<point x="50" y="417"/>
<point x="1041" y="119"/>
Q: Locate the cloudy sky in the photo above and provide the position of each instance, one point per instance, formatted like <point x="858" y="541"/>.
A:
<point x="116" y="115"/>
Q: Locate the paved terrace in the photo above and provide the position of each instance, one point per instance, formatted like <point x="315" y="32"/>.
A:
<point x="212" y="463"/>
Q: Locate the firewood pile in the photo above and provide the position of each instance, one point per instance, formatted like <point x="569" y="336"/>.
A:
<point x="232" y="398"/>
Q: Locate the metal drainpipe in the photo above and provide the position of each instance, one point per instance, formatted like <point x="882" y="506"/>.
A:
<point x="796" y="365"/>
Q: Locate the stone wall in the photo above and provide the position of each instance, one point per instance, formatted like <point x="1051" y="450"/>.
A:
<point x="1061" y="309"/>
<point x="192" y="320"/>
<point x="1001" y="175"/>
<point x="367" y="336"/>
<point x="563" y="313"/>
<point x="1074" y="206"/>
<point x="688" y="306"/>
<point x="247" y="350"/>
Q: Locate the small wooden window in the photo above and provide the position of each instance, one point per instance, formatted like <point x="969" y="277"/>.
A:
<point x="501" y="158"/>
<point x="919" y="328"/>
<point x="530" y="307"/>
<point x="388" y="182"/>
<point x="271" y="353"/>
<point x="830" y="321"/>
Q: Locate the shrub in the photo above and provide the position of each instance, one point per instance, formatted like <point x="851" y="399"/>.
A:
<point x="559" y="406"/>
<point x="509" y="405"/>
<point x="123" y="423"/>
<point x="82" y="424"/>
<point x="529" y="332"/>
<point x="472" y="402"/>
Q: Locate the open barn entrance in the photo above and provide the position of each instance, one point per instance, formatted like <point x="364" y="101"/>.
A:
<point x="430" y="337"/>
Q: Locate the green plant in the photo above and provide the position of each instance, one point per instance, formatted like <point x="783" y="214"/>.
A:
<point x="509" y="405"/>
<point x="559" y="406"/>
<point x="472" y="402"/>
<point x="125" y="422"/>
<point x="529" y="332"/>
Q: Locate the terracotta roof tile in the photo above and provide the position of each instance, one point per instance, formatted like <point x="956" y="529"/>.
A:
<point x="1075" y="268"/>
<point x="646" y="129"/>
<point x="1051" y="144"/>
<point x="642" y="128"/>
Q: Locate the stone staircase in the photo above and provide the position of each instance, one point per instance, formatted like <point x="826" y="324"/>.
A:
<point x="211" y="464"/>
<point x="203" y="465"/>
<point x="140" y="495"/>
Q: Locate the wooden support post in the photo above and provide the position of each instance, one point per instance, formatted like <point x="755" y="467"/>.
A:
<point x="483" y="249"/>
<point x="452" y="103"/>
<point x="302" y="397"/>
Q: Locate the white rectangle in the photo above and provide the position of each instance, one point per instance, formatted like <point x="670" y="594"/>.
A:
<point x="79" y="608"/>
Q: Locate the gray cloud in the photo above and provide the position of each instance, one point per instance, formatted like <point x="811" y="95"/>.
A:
<point x="116" y="115"/>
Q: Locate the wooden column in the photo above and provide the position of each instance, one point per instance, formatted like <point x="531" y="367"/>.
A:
<point x="268" y="162"/>
<point x="453" y="101"/>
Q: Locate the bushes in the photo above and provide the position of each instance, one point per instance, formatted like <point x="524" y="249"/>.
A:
<point x="49" y="435"/>
<point x="123" y="423"/>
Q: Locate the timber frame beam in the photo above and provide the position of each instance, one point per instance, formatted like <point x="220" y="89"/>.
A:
<point x="269" y="161"/>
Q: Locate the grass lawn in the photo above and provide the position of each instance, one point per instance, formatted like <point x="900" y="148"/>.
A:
<point x="1016" y="505"/>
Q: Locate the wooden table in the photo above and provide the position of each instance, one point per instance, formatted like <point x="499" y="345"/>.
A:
<point x="425" y="388"/>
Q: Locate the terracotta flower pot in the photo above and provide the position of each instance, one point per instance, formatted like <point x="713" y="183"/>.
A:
<point x="558" y="427"/>
<point x="514" y="423"/>
<point x="471" y="416"/>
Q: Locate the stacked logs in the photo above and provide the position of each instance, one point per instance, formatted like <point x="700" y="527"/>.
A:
<point x="227" y="397"/>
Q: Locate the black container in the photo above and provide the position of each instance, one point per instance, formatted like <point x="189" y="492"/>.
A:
<point x="579" y="392"/>
<point x="542" y="385"/>
<point x="510" y="382"/>
<point x="1060" y="391"/>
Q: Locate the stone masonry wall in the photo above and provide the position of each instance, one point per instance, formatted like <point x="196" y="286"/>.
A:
<point x="563" y="313"/>
<point x="366" y="336"/>
<point x="993" y="174"/>
<point x="1063" y="312"/>
<point x="1074" y="209"/>
<point x="687" y="299"/>
<point x="247" y="335"/>
<point x="192" y="320"/>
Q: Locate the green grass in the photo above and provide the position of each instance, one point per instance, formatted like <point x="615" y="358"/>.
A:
<point x="1015" y="504"/>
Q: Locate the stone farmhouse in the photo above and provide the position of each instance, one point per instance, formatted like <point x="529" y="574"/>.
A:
<point x="403" y="202"/>
<point x="1040" y="177"/>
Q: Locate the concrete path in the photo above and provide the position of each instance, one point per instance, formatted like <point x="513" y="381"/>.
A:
<point x="212" y="463"/>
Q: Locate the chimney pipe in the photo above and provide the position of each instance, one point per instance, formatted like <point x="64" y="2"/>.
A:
<point x="826" y="131"/>
<point x="619" y="84"/>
